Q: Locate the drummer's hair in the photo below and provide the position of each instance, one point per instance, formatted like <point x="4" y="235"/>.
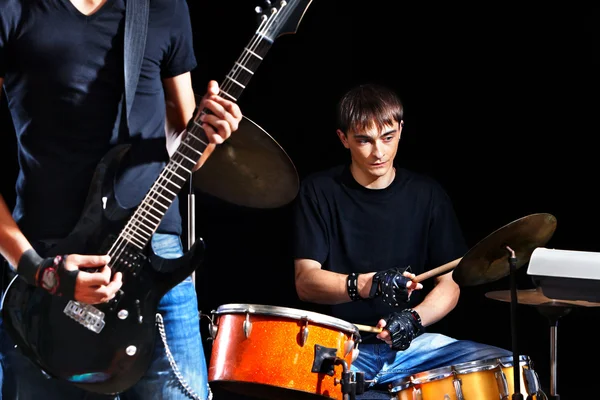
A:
<point x="366" y="105"/>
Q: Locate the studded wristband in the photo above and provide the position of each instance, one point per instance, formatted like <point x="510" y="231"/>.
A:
<point x="352" y="287"/>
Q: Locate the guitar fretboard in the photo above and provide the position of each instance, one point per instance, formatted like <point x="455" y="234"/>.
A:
<point x="175" y="174"/>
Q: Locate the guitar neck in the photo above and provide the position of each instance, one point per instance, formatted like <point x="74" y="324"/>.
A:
<point x="175" y="174"/>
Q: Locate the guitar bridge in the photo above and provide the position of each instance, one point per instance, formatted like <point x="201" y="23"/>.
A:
<point x="86" y="314"/>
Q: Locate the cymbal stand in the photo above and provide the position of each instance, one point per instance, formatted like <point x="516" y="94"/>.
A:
<point x="553" y="314"/>
<point x="512" y="261"/>
<point x="191" y="227"/>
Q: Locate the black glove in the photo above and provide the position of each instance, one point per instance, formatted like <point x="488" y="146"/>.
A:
<point x="48" y="273"/>
<point x="404" y="327"/>
<point x="391" y="286"/>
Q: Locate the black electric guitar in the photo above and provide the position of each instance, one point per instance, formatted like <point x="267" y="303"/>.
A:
<point x="107" y="348"/>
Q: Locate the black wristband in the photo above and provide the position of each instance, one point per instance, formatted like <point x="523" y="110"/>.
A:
<point x="417" y="318"/>
<point x="352" y="287"/>
<point x="29" y="265"/>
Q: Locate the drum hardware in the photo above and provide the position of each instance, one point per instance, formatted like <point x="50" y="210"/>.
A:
<point x="481" y="379"/>
<point x="289" y="353"/>
<point x="553" y="310"/>
<point x="249" y="169"/>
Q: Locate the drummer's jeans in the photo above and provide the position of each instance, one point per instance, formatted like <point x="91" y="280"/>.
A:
<point x="179" y="309"/>
<point x="382" y="365"/>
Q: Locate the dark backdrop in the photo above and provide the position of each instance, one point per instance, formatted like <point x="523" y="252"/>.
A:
<point x="506" y="104"/>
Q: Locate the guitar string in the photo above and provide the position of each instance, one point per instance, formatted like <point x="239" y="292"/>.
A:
<point x="147" y="204"/>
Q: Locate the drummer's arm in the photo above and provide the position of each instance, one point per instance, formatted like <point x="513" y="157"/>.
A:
<point x="439" y="301"/>
<point x="317" y="285"/>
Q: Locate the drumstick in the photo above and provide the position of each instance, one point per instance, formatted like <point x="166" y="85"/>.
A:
<point x="366" y="328"/>
<point x="419" y="278"/>
<point x="437" y="271"/>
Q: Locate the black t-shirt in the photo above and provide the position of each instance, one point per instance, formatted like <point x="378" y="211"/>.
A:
<point x="349" y="228"/>
<point x="63" y="78"/>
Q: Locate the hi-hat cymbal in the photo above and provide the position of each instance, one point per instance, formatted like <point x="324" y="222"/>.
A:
<point x="487" y="261"/>
<point x="249" y="169"/>
<point x="535" y="297"/>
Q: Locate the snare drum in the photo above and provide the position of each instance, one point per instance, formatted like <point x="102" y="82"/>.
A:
<point x="476" y="380"/>
<point x="278" y="352"/>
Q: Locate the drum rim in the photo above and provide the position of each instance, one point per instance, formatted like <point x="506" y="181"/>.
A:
<point x="294" y="313"/>
<point x="465" y="368"/>
<point x="401" y="385"/>
<point x="507" y="361"/>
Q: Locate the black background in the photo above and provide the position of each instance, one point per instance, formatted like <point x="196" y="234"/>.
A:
<point x="507" y="101"/>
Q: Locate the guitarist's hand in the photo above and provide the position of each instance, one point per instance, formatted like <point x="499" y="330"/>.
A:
<point x="221" y="120"/>
<point x="67" y="276"/>
<point x="97" y="286"/>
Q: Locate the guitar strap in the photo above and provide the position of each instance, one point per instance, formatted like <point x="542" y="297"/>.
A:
<point x="136" y="28"/>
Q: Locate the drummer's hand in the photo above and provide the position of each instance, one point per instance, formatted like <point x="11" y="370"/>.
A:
<point x="384" y="334"/>
<point x="394" y="285"/>
<point x="399" y="329"/>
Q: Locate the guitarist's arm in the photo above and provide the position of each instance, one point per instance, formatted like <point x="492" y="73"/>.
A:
<point x="223" y="118"/>
<point x="87" y="287"/>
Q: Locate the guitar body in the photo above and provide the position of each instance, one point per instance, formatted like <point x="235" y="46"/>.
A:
<point x="105" y="348"/>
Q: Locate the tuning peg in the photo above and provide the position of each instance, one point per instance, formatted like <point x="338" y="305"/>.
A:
<point x="267" y="3"/>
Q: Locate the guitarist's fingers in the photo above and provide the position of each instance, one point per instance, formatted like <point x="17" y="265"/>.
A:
<point x="100" y="278"/>
<point x="93" y="293"/>
<point x="114" y="286"/>
<point x="75" y="261"/>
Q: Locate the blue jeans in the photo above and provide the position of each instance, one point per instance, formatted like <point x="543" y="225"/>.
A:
<point x="384" y="366"/>
<point x="22" y="380"/>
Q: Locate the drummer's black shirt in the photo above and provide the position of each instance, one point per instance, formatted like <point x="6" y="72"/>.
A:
<point x="349" y="228"/>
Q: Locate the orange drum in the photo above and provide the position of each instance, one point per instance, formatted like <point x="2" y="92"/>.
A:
<point x="280" y="353"/>
<point x="476" y="380"/>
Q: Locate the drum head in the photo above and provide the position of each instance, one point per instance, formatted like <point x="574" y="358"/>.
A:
<point x="291" y="313"/>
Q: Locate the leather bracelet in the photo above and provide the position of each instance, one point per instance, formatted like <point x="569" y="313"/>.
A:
<point x="417" y="318"/>
<point x="352" y="286"/>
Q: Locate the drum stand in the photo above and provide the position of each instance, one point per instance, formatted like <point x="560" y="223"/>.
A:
<point x="553" y="314"/>
<point x="512" y="261"/>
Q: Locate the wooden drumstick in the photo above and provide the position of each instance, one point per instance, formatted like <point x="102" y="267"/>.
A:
<point x="419" y="278"/>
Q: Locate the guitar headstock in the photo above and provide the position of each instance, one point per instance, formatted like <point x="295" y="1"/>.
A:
<point x="280" y="17"/>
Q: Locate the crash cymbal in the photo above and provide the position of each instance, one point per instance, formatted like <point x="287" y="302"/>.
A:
<point x="535" y="297"/>
<point x="249" y="169"/>
<point x="487" y="261"/>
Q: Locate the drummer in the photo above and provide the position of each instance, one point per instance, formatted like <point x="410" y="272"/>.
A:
<point x="364" y="229"/>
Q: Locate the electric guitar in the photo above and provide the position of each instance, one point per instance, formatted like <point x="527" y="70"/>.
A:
<point x="106" y="348"/>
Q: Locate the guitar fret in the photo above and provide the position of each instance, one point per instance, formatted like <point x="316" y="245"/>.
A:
<point x="191" y="148"/>
<point x="136" y="235"/>
<point x="236" y="82"/>
<point x="244" y="68"/>
<point x="130" y="238"/>
<point x="253" y="53"/>
<point x="140" y="227"/>
<point x="228" y="95"/>
<point x="186" y="157"/>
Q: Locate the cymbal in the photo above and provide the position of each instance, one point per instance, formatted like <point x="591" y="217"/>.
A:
<point x="487" y="261"/>
<point x="249" y="169"/>
<point x="535" y="297"/>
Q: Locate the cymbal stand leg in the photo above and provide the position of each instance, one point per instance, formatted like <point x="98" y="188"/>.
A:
<point x="553" y="314"/>
<point x="512" y="261"/>
<point x="191" y="227"/>
<point x="553" y="366"/>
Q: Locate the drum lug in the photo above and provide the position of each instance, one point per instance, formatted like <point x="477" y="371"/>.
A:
<point x="247" y="326"/>
<point x="348" y="346"/>
<point x="532" y="382"/>
<point x="417" y="394"/>
<point x="213" y="329"/>
<point x="502" y="384"/>
<point x="457" y="382"/>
